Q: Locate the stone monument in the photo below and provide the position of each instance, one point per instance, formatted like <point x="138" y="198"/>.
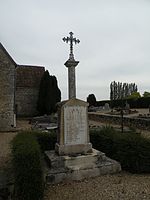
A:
<point x="71" y="64"/>
<point x="74" y="158"/>
<point x="73" y="124"/>
<point x="73" y="132"/>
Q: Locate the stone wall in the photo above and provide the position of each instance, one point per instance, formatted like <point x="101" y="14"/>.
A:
<point x="27" y="89"/>
<point x="7" y="91"/>
<point x="19" y="89"/>
<point x="139" y="123"/>
<point x="26" y="101"/>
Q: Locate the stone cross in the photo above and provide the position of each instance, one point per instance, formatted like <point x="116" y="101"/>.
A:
<point x="71" y="64"/>
<point x="71" y="39"/>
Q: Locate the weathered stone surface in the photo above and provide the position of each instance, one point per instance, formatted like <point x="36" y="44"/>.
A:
<point x="71" y="77"/>
<point x="7" y="91"/>
<point x="73" y="149"/>
<point x="73" y="133"/>
<point x="26" y="101"/>
<point x="75" y="125"/>
<point x="27" y="89"/>
<point x="66" y="168"/>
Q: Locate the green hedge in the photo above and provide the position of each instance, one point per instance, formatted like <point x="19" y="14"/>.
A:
<point x="103" y="139"/>
<point x="46" y="140"/>
<point x="130" y="149"/>
<point x="28" y="175"/>
<point x="133" y="152"/>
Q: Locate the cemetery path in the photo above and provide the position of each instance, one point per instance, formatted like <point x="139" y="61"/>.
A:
<point x="123" y="186"/>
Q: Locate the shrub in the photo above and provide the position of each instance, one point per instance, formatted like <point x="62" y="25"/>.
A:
<point x="103" y="139"/>
<point x="130" y="149"/>
<point x="91" y="99"/>
<point x="133" y="152"/>
<point x="49" y="94"/>
<point x="46" y="140"/>
<point x="29" y="182"/>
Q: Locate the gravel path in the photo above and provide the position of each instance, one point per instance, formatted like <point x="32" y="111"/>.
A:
<point x="123" y="186"/>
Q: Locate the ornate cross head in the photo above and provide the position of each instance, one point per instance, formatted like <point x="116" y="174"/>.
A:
<point x="70" y="40"/>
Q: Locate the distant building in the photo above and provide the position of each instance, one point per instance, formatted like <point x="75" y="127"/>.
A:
<point x="19" y="88"/>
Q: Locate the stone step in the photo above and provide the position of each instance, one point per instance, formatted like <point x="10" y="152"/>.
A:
<point x="66" y="168"/>
<point x="85" y="161"/>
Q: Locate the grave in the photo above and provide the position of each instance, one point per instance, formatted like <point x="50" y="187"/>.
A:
<point x="73" y="133"/>
<point x="44" y="123"/>
<point x="73" y="157"/>
<point x="106" y="107"/>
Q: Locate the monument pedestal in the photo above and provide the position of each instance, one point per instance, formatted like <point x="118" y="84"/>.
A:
<point x="73" y="149"/>
<point x="67" y="168"/>
<point x="74" y="158"/>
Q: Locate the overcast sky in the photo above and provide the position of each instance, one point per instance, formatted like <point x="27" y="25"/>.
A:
<point x="114" y="35"/>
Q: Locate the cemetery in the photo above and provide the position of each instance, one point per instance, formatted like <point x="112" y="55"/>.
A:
<point x="56" y="151"/>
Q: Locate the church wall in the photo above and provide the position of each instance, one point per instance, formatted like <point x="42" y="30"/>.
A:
<point x="26" y="101"/>
<point x="7" y="91"/>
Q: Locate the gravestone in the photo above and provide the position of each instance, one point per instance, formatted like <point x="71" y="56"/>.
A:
<point x="127" y="106"/>
<point x="73" y="132"/>
<point x="106" y="106"/>
<point x="74" y="158"/>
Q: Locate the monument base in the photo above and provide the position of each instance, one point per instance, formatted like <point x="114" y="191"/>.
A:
<point x="67" y="168"/>
<point x="73" y="149"/>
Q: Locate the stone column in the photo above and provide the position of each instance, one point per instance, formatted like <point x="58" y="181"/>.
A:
<point x="71" y="64"/>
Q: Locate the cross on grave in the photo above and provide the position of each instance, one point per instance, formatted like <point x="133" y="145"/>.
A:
<point x="74" y="158"/>
<point x="71" y="39"/>
<point x="71" y="64"/>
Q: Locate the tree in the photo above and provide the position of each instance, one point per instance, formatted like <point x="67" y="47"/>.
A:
<point x="146" y="94"/>
<point x="134" y="95"/>
<point x="91" y="99"/>
<point x="121" y="90"/>
<point x="49" y="94"/>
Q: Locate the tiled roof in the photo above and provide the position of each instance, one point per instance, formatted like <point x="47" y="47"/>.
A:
<point x="29" y="76"/>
